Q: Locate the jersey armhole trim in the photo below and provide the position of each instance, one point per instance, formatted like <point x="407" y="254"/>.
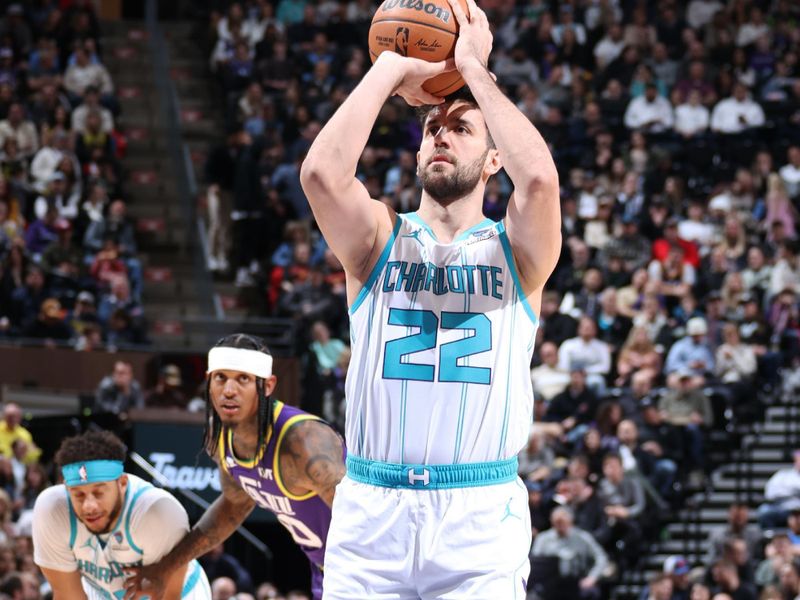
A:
<point x="73" y="521"/>
<point x="512" y="265"/>
<point x="276" y="465"/>
<point x="378" y="268"/>
<point x="128" y="535"/>
<point x="252" y="463"/>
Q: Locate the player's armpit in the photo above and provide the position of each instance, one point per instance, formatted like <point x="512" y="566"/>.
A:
<point x="66" y="585"/>
<point x="314" y="454"/>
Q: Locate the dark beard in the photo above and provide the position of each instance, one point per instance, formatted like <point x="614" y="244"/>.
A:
<point x="447" y="188"/>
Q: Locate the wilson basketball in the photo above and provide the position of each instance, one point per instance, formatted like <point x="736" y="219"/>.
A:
<point x="425" y="29"/>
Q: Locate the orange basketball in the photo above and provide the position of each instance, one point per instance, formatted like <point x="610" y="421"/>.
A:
<point x="425" y="29"/>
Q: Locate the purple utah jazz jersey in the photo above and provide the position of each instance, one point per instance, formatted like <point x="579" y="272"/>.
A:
<point x="307" y="517"/>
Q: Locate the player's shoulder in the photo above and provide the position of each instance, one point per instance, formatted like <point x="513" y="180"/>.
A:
<point x="143" y="495"/>
<point x="54" y="498"/>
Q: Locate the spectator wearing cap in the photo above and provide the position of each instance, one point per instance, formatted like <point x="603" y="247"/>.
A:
<point x="167" y="392"/>
<point x="781" y="495"/>
<point x="690" y="356"/>
<point x="649" y="113"/>
<point x="84" y="313"/>
<point x="20" y="129"/>
<point x="630" y="247"/>
<point x="581" y="560"/>
<point x="548" y="380"/>
<point x="118" y="392"/>
<point x="587" y="353"/>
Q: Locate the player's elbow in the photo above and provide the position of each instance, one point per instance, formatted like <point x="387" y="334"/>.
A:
<point x="317" y="176"/>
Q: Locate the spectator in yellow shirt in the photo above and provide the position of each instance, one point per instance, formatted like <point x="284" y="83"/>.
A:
<point x="12" y="430"/>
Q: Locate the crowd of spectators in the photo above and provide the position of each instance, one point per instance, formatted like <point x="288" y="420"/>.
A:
<point x="675" y="127"/>
<point x="69" y="271"/>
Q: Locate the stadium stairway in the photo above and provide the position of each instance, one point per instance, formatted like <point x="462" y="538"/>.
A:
<point x="153" y="200"/>
<point x="202" y="126"/>
<point x="746" y="455"/>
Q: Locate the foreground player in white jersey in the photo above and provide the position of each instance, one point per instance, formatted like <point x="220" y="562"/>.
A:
<point x="101" y="520"/>
<point x="443" y="308"/>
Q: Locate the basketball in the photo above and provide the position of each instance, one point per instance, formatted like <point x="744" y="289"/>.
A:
<point x="425" y="29"/>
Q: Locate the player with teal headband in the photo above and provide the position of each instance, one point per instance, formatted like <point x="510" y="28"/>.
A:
<point x="102" y="520"/>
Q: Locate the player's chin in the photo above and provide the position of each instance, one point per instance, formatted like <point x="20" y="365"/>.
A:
<point x="97" y="525"/>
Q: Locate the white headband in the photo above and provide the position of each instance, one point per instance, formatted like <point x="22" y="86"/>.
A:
<point x="240" y="359"/>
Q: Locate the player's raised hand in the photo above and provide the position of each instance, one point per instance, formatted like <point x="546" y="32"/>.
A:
<point x="147" y="582"/>
<point x="414" y="72"/>
<point x="474" y="41"/>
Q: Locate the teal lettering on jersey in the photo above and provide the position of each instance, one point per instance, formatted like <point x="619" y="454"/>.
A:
<point x="402" y="276"/>
<point x="104" y="574"/>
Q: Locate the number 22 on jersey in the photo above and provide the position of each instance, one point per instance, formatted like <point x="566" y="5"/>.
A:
<point x="428" y="324"/>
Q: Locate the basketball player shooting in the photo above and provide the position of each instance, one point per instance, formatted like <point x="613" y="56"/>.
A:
<point x="443" y="306"/>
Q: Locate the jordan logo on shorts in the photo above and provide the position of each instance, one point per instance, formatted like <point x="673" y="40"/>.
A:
<point x="414" y="479"/>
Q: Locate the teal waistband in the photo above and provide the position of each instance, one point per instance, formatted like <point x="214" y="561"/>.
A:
<point x="193" y="578"/>
<point x="431" y="477"/>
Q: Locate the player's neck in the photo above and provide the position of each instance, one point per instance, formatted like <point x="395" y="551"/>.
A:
<point x="245" y="440"/>
<point x="448" y="221"/>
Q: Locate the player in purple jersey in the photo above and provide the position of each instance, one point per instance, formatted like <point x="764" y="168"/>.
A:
<point x="271" y="455"/>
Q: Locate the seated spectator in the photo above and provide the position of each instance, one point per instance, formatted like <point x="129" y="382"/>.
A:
<point x="659" y="587"/>
<point x="41" y="233"/>
<point x="781" y="495"/>
<point x="737" y="113"/>
<point x="556" y="326"/>
<point x="168" y="392"/>
<point x="575" y="407"/>
<point x="11" y="430"/>
<point x="649" y="113"/>
<point x="536" y="459"/>
<point x="326" y="349"/>
<point x="738" y="525"/>
<point x="587" y="353"/>
<point x="777" y="553"/>
<point x="624" y="501"/>
<point x="725" y="575"/>
<point x="91" y="103"/>
<point x="50" y="325"/>
<point x="548" y="380"/>
<point x="678" y="568"/>
<point x="15" y="126"/>
<point x="650" y="315"/>
<point x="690" y="356"/>
<point x="637" y="356"/>
<point x="57" y="195"/>
<point x="581" y="560"/>
<point x="735" y="361"/>
<point x="639" y="458"/>
<point x="790" y="172"/>
<point x="83" y="73"/>
<point x="691" y="117"/>
<point x="786" y="272"/>
<point x="119" y="392"/>
<point x="223" y="588"/>
<point x="687" y="407"/>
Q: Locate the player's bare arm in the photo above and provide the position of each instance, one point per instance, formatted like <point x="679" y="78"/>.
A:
<point x="311" y="459"/>
<point x="66" y="585"/>
<point x="216" y="525"/>
<point x="355" y="226"/>
<point x="533" y="218"/>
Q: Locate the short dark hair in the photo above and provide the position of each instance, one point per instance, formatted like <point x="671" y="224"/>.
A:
<point x="11" y="583"/>
<point x="465" y="95"/>
<point x="92" y="445"/>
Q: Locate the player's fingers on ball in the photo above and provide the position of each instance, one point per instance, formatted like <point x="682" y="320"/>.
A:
<point x="461" y="16"/>
<point x="428" y="98"/>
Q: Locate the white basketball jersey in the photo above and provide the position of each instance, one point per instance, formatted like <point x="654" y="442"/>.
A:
<point x="151" y="522"/>
<point x="442" y="338"/>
